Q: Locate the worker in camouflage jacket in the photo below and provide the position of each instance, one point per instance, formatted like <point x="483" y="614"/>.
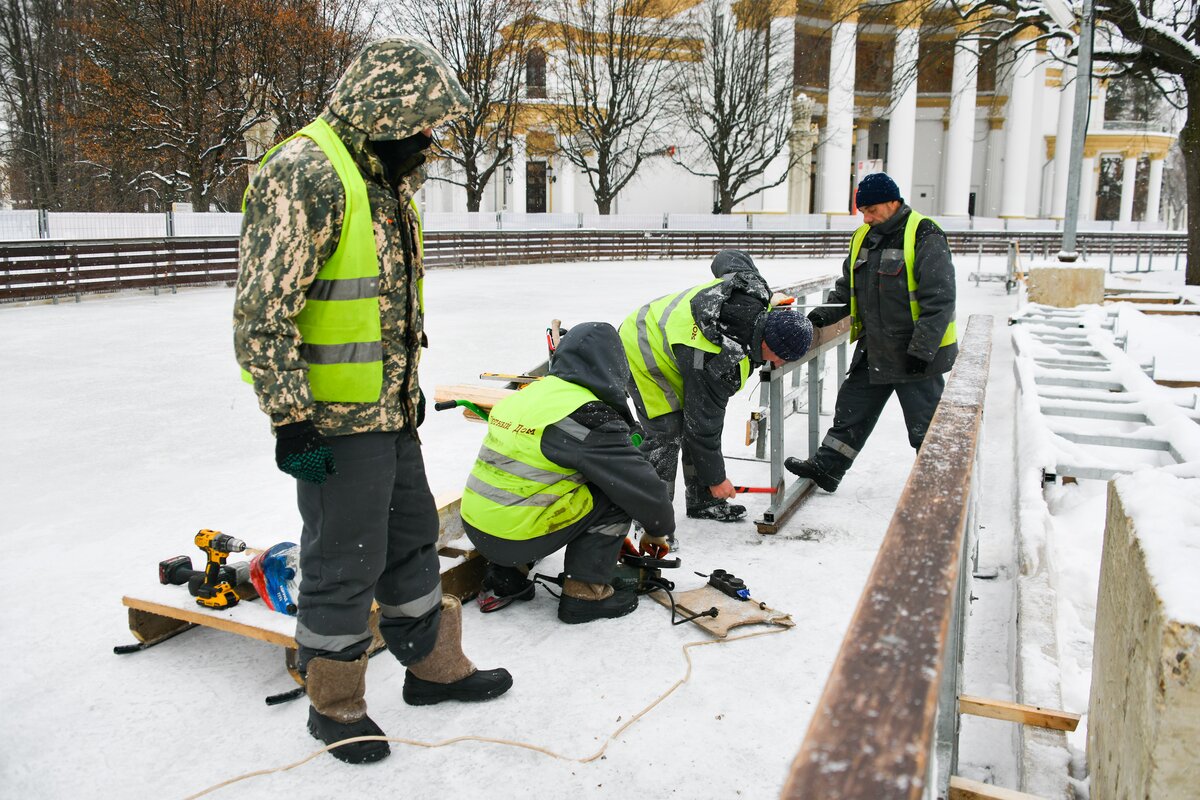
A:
<point x="689" y="353"/>
<point x="897" y="286"/>
<point x="328" y="325"/>
<point x="558" y="470"/>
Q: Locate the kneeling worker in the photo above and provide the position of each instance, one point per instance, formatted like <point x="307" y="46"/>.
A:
<point x="557" y="469"/>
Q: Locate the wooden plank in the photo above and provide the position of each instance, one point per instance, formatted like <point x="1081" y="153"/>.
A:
<point x="967" y="789"/>
<point x="483" y="396"/>
<point x="1016" y="712"/>
<point x="210" y="618"/>
<point x="862" y="743"/>
<point x="1191" y="384"/>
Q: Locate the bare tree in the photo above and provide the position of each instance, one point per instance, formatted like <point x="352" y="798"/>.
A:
<point x="311" y="43"/>
<point x="615" y="65"/>
<point x="736" y="100"/>
<point x="487" y="43"/>
<point x="34" y="40"/>
<point x="1156" y="40"/>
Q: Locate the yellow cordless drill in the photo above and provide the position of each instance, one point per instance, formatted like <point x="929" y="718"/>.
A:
<point x="215" y="591"/>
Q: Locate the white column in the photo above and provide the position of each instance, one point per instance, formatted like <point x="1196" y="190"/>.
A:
<point x="960" y="135"/>
<point x="516" y="191"/>
<point x="862" y="134"/>
<point x="839" y="119"/>
<point x="1087" y="188"/>
<point x="1128" y="181"/>
<point x="1017" y="131"/>
<point x="564" y="186"/>
<point x="1062" y="142"/>
<point x="902" y="126"/>
<point x="1154" y="189"/>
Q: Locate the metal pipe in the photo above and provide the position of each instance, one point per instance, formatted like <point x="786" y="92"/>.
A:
<point x="1083" y="94"/>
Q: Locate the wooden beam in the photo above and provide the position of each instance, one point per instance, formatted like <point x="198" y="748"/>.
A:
<point x="483" y="396"/>
<point x="966" y="789"/>
<point x="1016" y="712"/>
<point x="861" y="743"/>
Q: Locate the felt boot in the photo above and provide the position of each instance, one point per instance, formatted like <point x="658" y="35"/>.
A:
<point x="584" y="602"/>
<point x="447" y="674"/>
<point x="338" y="711"/>
<point x="812" y="470"/>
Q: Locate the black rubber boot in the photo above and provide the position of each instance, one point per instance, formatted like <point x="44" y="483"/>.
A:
<point x="446" y="673"/>
<point x="329" y="730"/>
<point x="482" y="684"/>
<point x="723" y="511"/>
<point x="809" y="469"/>
<point x="585" y="602"/>
<point x="502" y="586"/>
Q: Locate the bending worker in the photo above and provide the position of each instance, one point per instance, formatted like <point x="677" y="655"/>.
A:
<point x="557" y="469"/>
<point x="900" y="297"/>
<point x="328" y="325"/>
<point x="690" y="352"/>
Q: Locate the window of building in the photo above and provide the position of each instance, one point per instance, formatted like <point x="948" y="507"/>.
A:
<point x="535" y="73"/>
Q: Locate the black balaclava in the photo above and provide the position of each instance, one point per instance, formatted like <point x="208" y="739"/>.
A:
<point x="402" y="156"/>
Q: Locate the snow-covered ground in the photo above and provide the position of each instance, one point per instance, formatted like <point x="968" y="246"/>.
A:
<point x="129" y="430"/>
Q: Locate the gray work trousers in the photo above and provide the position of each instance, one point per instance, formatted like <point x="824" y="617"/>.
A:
<point x="664" y="446"/>
<point x="592" y="544"/>
<point x="370" y="533"/>
<point x="859" y="404"/>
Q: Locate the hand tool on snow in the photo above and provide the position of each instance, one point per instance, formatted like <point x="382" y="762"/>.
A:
<point x="215" y="592"/>
<point x="178" y="570"/>
<point x="755" y="489"/>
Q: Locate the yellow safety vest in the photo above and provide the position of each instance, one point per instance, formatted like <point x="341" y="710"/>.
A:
<point x="339" y="325"/>
<point x="649" y="335"/>
<point x="515" y="492"/>
<point x="910" y="256"/>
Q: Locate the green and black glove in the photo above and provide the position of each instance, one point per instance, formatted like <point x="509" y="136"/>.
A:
<point x="302" y="452"/>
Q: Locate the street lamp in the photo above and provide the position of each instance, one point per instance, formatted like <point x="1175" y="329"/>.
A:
<point x="508" y="173"/>
<point x="1062" y="15"/>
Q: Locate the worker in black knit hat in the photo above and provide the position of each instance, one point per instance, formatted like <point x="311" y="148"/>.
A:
<point x="690" y="352"/>
<point x="897" y="286"/>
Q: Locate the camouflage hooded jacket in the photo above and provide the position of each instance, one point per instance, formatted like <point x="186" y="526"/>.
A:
<point x="293" y="216"/>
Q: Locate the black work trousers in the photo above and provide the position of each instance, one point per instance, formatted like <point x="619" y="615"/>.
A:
<point x="370" y="533"/>
<point x="859" y="404"/>
<point x="592" y="544"/>
<point x="664" y="446"/>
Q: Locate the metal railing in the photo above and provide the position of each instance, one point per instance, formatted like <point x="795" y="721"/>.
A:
<point x="886" y="726"/>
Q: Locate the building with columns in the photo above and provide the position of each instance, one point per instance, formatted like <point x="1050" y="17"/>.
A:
<point x="965" y="127"/>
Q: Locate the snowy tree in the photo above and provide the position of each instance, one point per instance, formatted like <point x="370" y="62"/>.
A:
<point x="736" y="101"/>
<point x="487" y="43"/>
<point x="34" y="40"/>
<point x="615" y="62"/>
<point x="1157" y="41"/>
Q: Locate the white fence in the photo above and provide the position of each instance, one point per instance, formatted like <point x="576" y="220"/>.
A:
<point x="23" y="225"/>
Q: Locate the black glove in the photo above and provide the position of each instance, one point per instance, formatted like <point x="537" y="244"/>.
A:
<point x="916" y="365"/>
<point x="302" y="452"/>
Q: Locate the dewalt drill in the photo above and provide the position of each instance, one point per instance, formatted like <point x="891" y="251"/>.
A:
<point x="215" y="591"/>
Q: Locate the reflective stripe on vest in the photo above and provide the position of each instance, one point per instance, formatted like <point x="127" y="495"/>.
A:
<point x="910" y="257"/>
<point x="650" y="334"/>
<point x="515" y="492"/>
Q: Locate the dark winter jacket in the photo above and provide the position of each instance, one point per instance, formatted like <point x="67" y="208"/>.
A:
<point x="889" y="334"/>
<point x="730" y="314"/>
<point x="595" y="439"/>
